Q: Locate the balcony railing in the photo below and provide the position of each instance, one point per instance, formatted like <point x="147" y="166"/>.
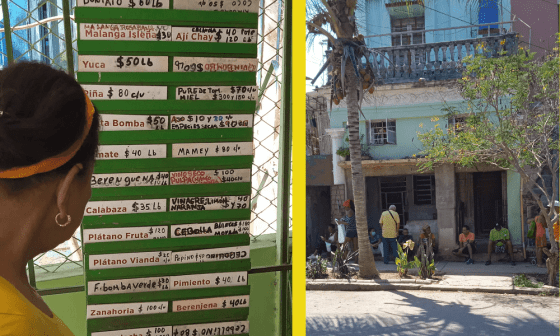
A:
<point x="437" y="60"/>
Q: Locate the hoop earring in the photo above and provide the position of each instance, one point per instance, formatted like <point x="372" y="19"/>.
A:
<point x="68" y="220"/>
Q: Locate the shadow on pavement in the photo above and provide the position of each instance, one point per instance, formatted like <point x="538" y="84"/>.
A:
<point x="432" y="317"/>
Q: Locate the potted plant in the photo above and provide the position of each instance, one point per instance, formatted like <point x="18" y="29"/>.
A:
<point x="344" y="152"/>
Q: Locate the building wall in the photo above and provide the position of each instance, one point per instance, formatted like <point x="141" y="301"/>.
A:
<point x="542" y="16"/>
<point x="319" y="170"/>
<point x="438" y="14"/>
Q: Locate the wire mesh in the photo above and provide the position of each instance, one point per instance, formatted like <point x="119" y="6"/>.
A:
<point x="38" y="35"/>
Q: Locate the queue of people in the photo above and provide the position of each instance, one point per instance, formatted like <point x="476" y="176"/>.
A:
<point x="345" y="233"/>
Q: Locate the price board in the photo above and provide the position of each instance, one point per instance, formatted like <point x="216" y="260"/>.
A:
<point x="166" y="232"/>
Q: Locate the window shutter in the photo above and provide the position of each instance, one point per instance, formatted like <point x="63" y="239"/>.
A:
<point x="391" y="132"/>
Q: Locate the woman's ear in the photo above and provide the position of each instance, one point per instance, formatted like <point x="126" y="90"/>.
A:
<point x="63" y="190"/>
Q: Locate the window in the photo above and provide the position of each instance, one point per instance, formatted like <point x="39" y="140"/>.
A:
<point x="404" y="25"/>
<point x="382" y="132"/>
<point x="457" y="124"/>
<point x="424" y="189"/>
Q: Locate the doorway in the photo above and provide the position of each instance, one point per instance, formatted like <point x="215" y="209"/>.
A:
<point x="488" y="201"/>
<point x="393" y="192"/>
<point x="318" y="214"/>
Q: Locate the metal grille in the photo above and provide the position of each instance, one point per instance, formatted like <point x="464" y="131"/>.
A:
<point x="266" y="127"/>
<point x="38" y="34"/>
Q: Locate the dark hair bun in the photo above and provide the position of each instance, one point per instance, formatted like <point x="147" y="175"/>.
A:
<point x="43" y="115"/>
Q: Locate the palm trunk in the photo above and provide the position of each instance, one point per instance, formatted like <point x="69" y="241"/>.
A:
<point x="366" y="261"/>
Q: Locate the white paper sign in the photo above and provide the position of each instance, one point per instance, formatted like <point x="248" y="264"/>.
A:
<point x="180" y="122"/>
<point x="211" y="34"/>
<point x="154" y="4"/>
<point x="124" y="32"/>
<point x="98" y="208"/>
<point x="129" y="180"/>
<point x="226" y="302"/>
<point x="210" y="176"/>
<point x="153" y="331"/>
<point x="210" y="229"/>
<point x="245" y="6"/>
<point x="214" y="64"/>
<point x="120" y="152"/>
<point x="102" y="63"/>
<point x="211" y="329"/>
<point x="212" y="149"/>
<point x="236" y="93"/>
<point x="228" y="279"/>
<point x="125" y="92"/>
<point x="126" y="309"/>
<point x="208" y="255"/>
<point x="125" y="122"/>
<point x="209" y="203"/>
<point x="121" y="260"/>
<point x="125" y="234"/>
<point x="139" y="285"/>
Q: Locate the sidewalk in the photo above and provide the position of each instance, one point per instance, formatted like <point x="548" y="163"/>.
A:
<point x="460" y="268"/>
<point x="457" y="276"/>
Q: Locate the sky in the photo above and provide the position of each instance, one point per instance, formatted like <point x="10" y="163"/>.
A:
<point x="314" y="60"/>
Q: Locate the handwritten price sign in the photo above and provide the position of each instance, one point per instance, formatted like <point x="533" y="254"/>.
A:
<point x="216" y="93"/>
<point x="124" y="32"/>
<point x="125" y="92"/>
<point x="101" y="63"/>
<point x="214" y="64"/>
<point x="154" y="4"/>
<point x="245" y="6"/>
<point x="212" y="149"/>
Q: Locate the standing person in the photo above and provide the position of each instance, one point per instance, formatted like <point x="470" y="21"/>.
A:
<point x="499" y="236"/>
<point x="425" y="237"/>
<point x="390" y="226"/>
<point x="48" y="142"/>
<point x="350" y="221"/>
<point x="466" y="242"/>
<point x="540" y="238"/>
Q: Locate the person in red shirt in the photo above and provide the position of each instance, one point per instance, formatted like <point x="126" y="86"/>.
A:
<point x="466" y="244"/>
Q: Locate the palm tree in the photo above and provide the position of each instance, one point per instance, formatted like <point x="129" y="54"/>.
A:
<point x="349" y="80"/>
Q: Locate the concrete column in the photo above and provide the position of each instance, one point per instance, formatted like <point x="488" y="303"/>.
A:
<point x="337" y="135"/>
<point x="445" y="204"/>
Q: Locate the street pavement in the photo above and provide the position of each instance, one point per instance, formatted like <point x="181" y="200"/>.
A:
<point x="423" y="313"/>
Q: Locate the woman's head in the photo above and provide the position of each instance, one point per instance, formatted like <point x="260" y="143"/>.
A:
<point x="44" y="113"/>
<point x="349" y="205"/>
<point x="331" y="228"/>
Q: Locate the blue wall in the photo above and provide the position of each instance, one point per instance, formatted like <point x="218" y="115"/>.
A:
<point x="438" y="14"/>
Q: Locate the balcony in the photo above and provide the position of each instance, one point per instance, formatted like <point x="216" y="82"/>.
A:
<point x="436" y="60"/>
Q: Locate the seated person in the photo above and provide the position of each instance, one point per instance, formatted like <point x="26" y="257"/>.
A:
<point x="374" y="238"/>
<point x="404" y="237"/>
<point x="466" y="245"/>
<point x="499" y="236"/>
<point x="425" y="237"/>
<point x="321" y="246"/>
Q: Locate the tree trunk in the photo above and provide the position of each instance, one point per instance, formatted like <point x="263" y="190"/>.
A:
<point x="366" y="261"/>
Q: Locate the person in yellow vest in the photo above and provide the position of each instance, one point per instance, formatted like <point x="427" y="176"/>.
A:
<point x="48" y="143"/>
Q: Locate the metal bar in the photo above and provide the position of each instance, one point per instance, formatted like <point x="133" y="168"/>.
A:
<point x="64" y="290"/>
<point x="438" y="29"/>
<point x="31" y="270"/>
<point x="284" y="176"/>
<point x="270" y="269"/>
<point x="38" y="23"/>
<point x="8" y="32"/>
<point x="68" y="37"/>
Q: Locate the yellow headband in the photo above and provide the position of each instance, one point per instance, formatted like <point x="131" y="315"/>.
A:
<point x="57" y="161"/>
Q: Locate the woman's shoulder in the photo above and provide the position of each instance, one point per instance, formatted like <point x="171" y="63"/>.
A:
<point x="12" y="302"/>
